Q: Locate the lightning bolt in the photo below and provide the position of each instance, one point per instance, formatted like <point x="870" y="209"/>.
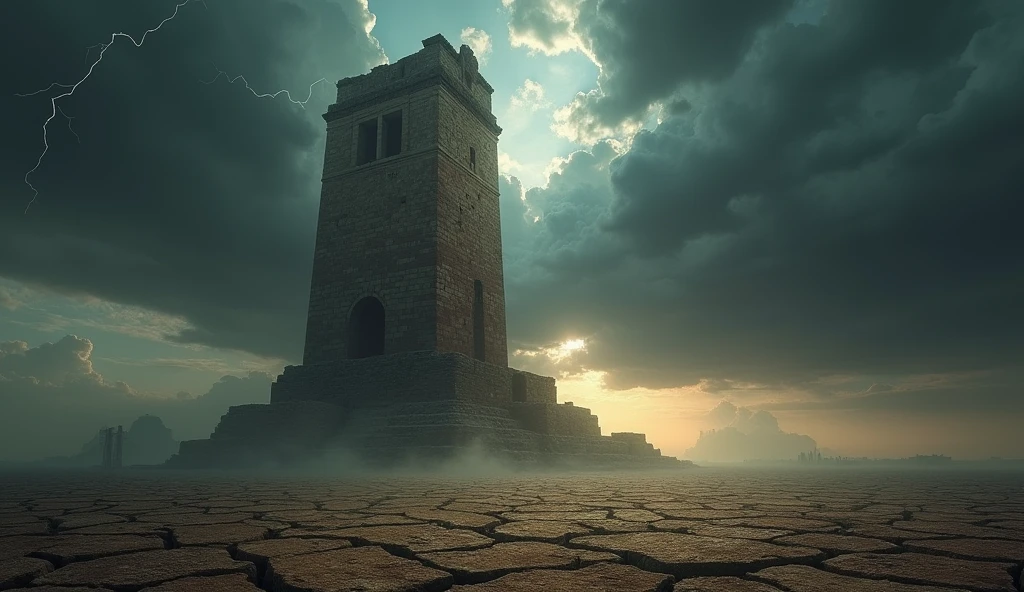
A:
<point x="71" y="129"/>
<point x="69" y="89"/>
<point x="274" y="95"/>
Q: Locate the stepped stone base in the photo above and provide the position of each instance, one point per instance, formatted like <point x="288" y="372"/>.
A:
<point x="474" y="411"/>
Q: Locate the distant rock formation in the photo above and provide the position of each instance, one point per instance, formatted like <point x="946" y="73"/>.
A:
<point x="732" y="445"/>
<point x="745" y="434"/>
<point x="147" y="442"/>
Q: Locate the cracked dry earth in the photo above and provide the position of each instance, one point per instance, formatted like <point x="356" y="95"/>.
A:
<point x="704" y="530"/>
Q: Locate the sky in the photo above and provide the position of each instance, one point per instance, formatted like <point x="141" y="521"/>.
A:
<point x="797" y="210"/>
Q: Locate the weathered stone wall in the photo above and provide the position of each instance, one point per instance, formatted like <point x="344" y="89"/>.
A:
<point x="438" y="57"/>
<point x="560" y="420"/>
<point x="539" y="389"/>
<point x="481" y="382"/>
<point x="417" y="229"/>
<point x="406" y="377"/>
<point x="374" y="238"/>
<point x="315" y="421"/>
<point x="370" y="382"/>
<point x="254" y="435"/>
<point x="638" y="444"/>
<point x="469" y="235"/>
<point x="573" y="421"/>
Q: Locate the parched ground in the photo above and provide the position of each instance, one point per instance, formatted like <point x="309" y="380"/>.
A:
<point x="704" y="530"/>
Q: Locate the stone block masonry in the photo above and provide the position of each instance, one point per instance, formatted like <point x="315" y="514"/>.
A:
<point x="250" y="435"/>
<point x="637" y="443"/>
<point x="409" y="213"/>
<point x="565" y="420"/>
<point x="410" y="377"/>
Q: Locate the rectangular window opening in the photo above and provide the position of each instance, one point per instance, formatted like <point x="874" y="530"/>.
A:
<point x="472" y="158"/>
<point x="392" y="134"/>
<point x="366" y="150"/>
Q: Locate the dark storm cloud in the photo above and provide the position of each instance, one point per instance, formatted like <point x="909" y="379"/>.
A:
<point x="645" y="52"/>
<point x="996" y="392"/>
<point x="52" y="400"/>
<point x="191" y="199"/>
<point x="844" y="202"/>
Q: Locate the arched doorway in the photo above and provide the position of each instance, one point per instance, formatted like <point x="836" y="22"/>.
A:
<point x="366" y="329"/>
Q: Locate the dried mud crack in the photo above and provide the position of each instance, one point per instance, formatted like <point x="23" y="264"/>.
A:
<point x="707" y="531"/>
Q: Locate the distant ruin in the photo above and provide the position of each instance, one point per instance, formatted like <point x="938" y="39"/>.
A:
<point x="113" y="447"/>
<point x="146" y="442"/>
<point x="406" y="353"/>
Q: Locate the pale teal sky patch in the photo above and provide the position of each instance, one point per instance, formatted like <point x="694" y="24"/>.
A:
<point x="527" y="138"/>
<point x="130" y="344"/>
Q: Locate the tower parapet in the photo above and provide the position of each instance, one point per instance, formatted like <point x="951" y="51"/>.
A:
<point x="437" y="63"/>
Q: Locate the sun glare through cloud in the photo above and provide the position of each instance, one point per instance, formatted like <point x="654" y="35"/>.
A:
<point x="571" y="346"/>
<point x="556" y="353"/>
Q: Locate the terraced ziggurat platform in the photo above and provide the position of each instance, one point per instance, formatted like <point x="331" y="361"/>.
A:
<point x="433" y="412"/>
<point x="406" y="354"/>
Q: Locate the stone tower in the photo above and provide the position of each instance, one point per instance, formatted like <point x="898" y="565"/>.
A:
<point x="406" y="356"/>
<point x="408" y="247"/>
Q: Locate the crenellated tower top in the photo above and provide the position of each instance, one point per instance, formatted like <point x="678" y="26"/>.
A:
<point x="437" y="63"/>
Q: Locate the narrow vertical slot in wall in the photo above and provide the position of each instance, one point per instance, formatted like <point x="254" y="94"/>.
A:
<point x="478" y="320"/>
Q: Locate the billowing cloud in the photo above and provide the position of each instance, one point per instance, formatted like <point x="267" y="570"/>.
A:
<point x="68" y="360"/>
<point x="544" y="26"/>
<point x="506" y="166"/>
<point x="838" y="200"/>
<point x="529" y="96"/>
<point x="52" y="400"/>
<point x="644" y="55"/>
<point x="194" y="200"/>
<point x="479" y="41"/>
